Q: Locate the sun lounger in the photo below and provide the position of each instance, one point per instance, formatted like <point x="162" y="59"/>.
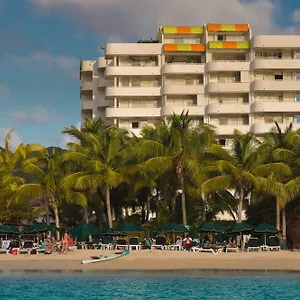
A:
<point x="211" y="250"/>
<point x="160" y="243"/>
<point x="134" y="243"/>
<point x="253" y="244"/>
<point x="121" y="244"/>
<point x="27" y="247"/>
<point x="274" y="244"/>
<point x="5" y="247"/>
<point x="232" y="249"/>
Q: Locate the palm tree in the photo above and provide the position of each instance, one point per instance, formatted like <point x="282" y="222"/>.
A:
<point x="176" y="151"/>
<point x="240" y="168"/>
<point x="47" y="170"/>
<point x="100" y="159"/>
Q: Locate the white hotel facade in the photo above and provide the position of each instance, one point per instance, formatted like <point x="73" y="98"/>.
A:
<point x="219" y="73"/>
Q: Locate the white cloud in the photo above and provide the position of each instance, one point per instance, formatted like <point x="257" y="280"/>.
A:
<point x="141" y="17"/>
<point x="35" y="114"/>
<point x="15" y="137"/>
<point x="296" y="16"/>
<point x="47" y="61"/>
<point x="4" y="91"/>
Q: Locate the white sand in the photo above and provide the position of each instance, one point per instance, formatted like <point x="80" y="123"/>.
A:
<point x="155" y="260"/>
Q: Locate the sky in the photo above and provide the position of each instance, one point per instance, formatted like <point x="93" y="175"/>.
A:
<point x="43" y="41"/>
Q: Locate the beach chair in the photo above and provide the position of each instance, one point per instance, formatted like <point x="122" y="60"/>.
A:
<point x="209" y="250"/>
<point x="134" y="243"/>
<point x="160" y="243"/>
<point x="121" y="244"/>
<point x="253" y="244"/>
<point x="5" y="247"/>
<point x="27" y="247"/>
<point x="274" y="244"/>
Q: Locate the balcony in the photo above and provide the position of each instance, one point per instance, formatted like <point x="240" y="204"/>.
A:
<point x="229" y="45"/>
<point x="112" y="112"/>
<point x="215" y="66"/>
<point x="183" y="89"/>
<point x="194" y="110"/>
<point x="132" y="91"/>
<point x="86" y="104"/>
<point x="87" y="65"/>
<point x="102" y="83"/>
<point x="132" y="49"/>
<point x="276" y="41"/>
<point x="227" y="130"/>
<point x="228" y="87"/>
<point x="261" y="128"/>
<point x="275" y="64"/>
<point x="132" y="71"/>
<point x="178" y="68"/>
<point x="275" y="85"/>
<point x="284" y="107"/>
<point x="101" y="63"/>
<point x="217" y="108"/>
<point x="87" y="85"/>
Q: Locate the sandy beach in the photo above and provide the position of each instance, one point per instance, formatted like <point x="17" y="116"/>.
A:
<point x="155" y="260"/>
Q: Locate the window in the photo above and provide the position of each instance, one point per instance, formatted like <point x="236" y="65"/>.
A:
<point x="298" y="97"/>
<point x="280" y="97"/>
<point x="221" y="37"/>
<point x="222" y="142"/>
<point x="223" y="121"/>
<point x="278" y="76"/>
<point x="178" y="40"/>
<point x="246" y="99"/>
<point x="135" y="125"/>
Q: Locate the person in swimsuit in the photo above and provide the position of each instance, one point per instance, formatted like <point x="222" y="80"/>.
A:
<point x="64" y="243"/>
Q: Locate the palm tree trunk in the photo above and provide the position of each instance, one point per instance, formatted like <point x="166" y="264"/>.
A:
<point x="183" y="200"/>
<point x="284" y="228"/>
<point x="86" y="216"/>
<point x="55" y="209"/>
<point x="47" y="211"/>
<point x="240" y="207"/>
<point x="108" y="207"/>
<point x="148" y="207"/>
<point x="277" y="213"/>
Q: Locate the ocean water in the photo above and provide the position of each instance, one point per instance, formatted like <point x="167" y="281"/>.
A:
<point x="172" y="285"/>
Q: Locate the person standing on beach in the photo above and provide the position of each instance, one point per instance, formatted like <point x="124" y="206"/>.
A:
<point x="64" y="244"/>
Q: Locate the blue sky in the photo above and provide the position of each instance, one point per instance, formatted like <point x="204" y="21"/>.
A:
<point x="42" y="42"/>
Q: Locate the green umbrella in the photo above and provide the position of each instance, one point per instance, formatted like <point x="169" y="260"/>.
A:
<point x="173" y="228"/>
<point x="82" y="231"/>
<point x="240" y="227"/>
<point x="8" y="229"/>
<point x="39" y="228"/>
<point x="211" y="227"/>
<point x="127" y="228"/>
<point x="265" y="228"/>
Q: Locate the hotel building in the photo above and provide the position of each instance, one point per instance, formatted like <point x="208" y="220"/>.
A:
<point x="219" y="73"/>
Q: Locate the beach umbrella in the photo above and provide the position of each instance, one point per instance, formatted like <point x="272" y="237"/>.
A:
<point x="211" y="227"/>
<point x="127" y="228"/>
<point x="264" y="229"/>
<point x="240" y="228"/>
<point x="39" y="228"/>
<point x="82" y="231"/>
<point x="8" y="229"/>
<point x="173" y="228"/>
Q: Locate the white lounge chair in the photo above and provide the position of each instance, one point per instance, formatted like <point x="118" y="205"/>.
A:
<point x="274" y="244"/>
<point x="232" y="249"/>
<point x="160" y="243"/>
<point x="134" y="243"/>
<point x="211" y="250"/>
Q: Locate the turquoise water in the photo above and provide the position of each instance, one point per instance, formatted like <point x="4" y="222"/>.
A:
<point x="38" y="285"/>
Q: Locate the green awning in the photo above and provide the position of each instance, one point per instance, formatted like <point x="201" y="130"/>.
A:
<point x="8" y="229"/>
<point x="127" y="228"/>
<point x="173" y="228"/>
<point x="211" y="227"/>
<point x="265" y="228"/>
<point x="82" y="232"/>
<point x="38" y="228"/>
<point x="240" y="227"/>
